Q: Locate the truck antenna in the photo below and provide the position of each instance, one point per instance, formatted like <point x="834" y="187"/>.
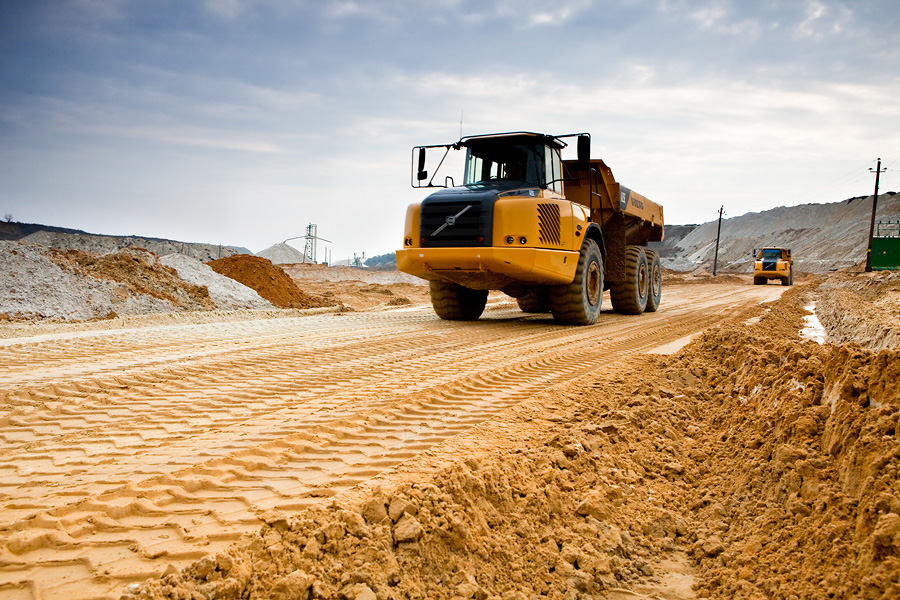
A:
<point x="460" y="124"/>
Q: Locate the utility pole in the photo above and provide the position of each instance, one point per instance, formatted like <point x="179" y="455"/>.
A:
<point x="718" y="233"/>
<point x="877" y="172"/>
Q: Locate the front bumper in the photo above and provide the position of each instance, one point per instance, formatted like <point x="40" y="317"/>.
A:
<point x="490" y="267"/>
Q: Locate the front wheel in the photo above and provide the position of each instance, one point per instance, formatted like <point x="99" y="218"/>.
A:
<point x="789" y="280"/>
<point x="454" y="302"/>
<point x="579" y="302"/>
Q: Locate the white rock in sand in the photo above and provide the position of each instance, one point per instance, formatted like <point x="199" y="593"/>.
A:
<point x="226" y="293"/>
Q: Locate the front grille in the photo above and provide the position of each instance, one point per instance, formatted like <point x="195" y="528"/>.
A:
<point x="769" y="265"/>
<point x="454" y="223"/>
<point x="548" y="224"/>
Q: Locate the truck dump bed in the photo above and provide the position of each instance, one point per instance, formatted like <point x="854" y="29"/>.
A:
<point x="598" y="190"/>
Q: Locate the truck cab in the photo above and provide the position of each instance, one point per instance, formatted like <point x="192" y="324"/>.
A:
<point x="484" y="234"/>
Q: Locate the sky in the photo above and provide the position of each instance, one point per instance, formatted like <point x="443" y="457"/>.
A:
<point x="241" y="122"/>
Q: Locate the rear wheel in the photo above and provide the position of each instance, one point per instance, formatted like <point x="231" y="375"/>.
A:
<point x="579" y="302"/>
<point x="454" y="302"/>
<point x="654" y="268"/>
<point x="629" y="296"/>
<point x="535" y="300"/>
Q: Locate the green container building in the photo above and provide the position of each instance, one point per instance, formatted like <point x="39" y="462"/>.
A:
<point x="886" y="246"/>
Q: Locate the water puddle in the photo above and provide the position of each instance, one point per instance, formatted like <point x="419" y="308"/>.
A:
<point x="813" y="329"/>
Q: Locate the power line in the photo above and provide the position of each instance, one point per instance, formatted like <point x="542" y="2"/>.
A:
<point x="837" y="182"/>
<point x="895" y="159"/>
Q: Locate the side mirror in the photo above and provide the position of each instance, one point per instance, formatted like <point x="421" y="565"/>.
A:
<point x="421" y="174"/>
<point x="584" y="152"/>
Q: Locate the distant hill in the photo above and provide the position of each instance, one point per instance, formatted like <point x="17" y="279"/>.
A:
<point x="62" y="238"/>
<point x="673" y="235"/>
<point x="822" y="237"/>
<point x="13" y="231"/>
<point x="382" y="261"/>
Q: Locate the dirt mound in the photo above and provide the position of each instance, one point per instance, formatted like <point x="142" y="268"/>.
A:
<point x="269" y="281"/>
<point x="225" y="292"/>
<point x="141" y="272"/>
<point x="39" y="283"/>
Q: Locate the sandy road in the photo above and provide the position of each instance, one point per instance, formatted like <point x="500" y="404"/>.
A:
<point x="123" y="452"/>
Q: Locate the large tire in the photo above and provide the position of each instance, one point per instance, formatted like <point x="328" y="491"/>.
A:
<point x="629" y="297"/>
<point x="655" y="271"/>
<point x="789" y="280"/>
<point x="535" y="300"/>
<point x="579" y="302"/>
<point x="760" y="281"/>
<point x="454" y="302"/>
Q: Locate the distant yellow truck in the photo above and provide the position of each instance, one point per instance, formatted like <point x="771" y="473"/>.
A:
<point x="552" y="233"/>
<point x="773" y="263"/>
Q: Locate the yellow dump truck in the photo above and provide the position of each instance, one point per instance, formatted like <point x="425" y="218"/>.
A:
<point x="773" y="263"/>
<point x="552" y="233"/>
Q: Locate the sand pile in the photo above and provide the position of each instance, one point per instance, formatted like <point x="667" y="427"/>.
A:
<point x="140" y="271"/>
<point x="41" y="283"/>
<point x="225" y="293"/>
<point x="772" y="463"/>
<point x="283" y="254"/>
<point x="269" y="281"/>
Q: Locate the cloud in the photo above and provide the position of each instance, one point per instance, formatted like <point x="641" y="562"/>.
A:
<point x="824" y="20"/>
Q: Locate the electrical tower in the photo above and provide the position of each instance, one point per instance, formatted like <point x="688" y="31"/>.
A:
<point x="311" y="237"/>
<point x="309" y="252"/>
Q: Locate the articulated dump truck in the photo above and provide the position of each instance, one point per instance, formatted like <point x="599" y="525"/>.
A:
<point x="773" y="263"/>
<point x="552" y="233"/>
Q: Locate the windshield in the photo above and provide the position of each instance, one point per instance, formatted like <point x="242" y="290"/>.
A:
<point x="499" y="160"/>
<point x="771" y="253"/>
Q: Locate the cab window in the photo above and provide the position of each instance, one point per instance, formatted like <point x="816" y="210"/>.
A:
<point x="508" y="162"/>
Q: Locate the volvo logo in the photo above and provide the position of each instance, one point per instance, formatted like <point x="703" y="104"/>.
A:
<point x="450" y="221"/>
